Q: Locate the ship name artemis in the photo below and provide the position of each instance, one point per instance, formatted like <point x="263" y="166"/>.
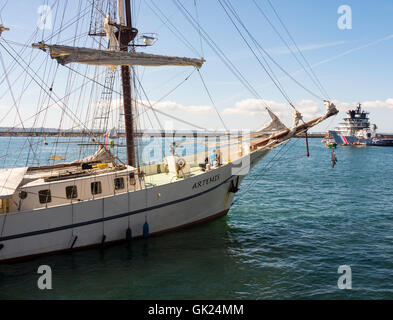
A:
<point x="204" y="182"/>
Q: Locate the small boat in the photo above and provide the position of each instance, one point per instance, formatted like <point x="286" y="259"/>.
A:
<point x="331" y="144"/>
<point x="359" y="144"/>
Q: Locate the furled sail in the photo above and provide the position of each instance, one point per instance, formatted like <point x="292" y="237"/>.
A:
<point x="10" y="180"/>
<point x="275" y="125"/>
<point x="67" y="54"/>
<point x="102" y="155"/>
<point x="297" y="117"/>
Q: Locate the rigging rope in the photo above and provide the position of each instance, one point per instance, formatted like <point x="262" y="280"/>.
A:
<point x="211" y="99"/>
<point x="286" y="44"/>
<point x="41" y="86"/>
<point x="319" y="84"/>
<point x="270" y="57"/>
<point x="150" y="107"/>
<point x="14" y="101"/>
<point x="57" y="32"/>
<point x="148" y="101"/>
<point x="212" y="44"/>
<point x="271" y="73"/>
<point x="199" y="26"/>
<point x="175" y="31"/>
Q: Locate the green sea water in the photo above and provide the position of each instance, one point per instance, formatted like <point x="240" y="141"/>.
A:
<point x="294" y="221"/>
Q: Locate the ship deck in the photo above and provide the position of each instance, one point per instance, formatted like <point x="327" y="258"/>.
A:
<point x="158" y="179"/>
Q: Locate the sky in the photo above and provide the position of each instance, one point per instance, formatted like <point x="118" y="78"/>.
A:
<point x="353" y="64"/>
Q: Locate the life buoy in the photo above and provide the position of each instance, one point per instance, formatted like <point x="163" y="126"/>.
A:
<point x="181" y="162"/>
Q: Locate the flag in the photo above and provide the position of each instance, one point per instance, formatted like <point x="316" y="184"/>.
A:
<point x="106" y="143"/>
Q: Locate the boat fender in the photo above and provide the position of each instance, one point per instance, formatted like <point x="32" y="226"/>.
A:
<point x="103" y="240"/>
<point x="128" y="234"/>
<point x="145" y="230"/>
<point x="1" y="246"/>
<point x="181" y="162"/>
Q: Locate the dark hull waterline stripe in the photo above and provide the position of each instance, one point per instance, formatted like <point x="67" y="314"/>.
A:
<point x="122" y="215"/>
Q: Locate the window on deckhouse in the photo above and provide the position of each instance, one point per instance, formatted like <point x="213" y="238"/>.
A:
<point x="96" y="187"/>
<point x="119" y="183"/>
<point x="71" y="192"/>
<point x="44" y="196"/>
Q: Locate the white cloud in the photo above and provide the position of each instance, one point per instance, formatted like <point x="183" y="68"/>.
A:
<point x="170" y="106"/>
<point x="250" y="107"/>
<point x="252" y="112"/>
<point x="256" y="107"/>
<point x="310" y="109"/>
<point x="370" y="104"/>
<point x="253" y="107"/>
<point x="164" y="106"/>
<point x="378" y="104"/>
<point x="343" y="106"/>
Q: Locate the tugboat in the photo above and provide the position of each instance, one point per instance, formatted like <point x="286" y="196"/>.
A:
<point x="356" y="130"/>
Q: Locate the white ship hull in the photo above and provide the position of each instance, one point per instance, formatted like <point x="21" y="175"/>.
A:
<point x="81" y="224"/>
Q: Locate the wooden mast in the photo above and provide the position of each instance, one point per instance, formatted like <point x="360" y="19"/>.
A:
<point x="126" y="34"/>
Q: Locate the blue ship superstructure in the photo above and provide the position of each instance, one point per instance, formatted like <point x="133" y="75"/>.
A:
<point x="356" y="130"/>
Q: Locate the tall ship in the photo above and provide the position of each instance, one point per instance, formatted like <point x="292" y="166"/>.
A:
<point x="108" y="193"/>
<point x="357" y="130"/>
